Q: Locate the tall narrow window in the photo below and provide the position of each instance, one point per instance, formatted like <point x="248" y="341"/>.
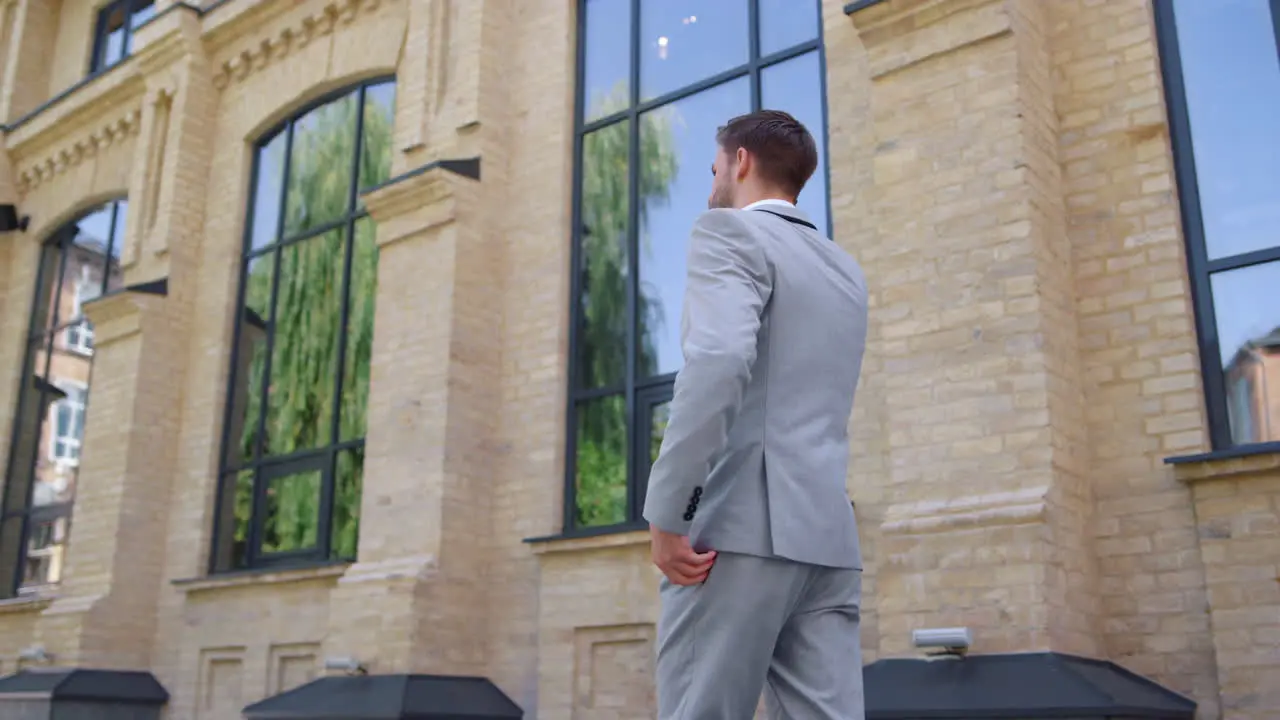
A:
<point x="656" y="79"/>
<point x="78" y="263"/>
<point x="113" y="32"/>
<point x="1222" y="73"/>
<point x="294" y="436"/>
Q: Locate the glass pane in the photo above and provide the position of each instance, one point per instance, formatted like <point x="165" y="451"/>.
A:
<point x="355" y="368"/>
<point x="606" y="67"/>
<point x="658" y="418"/>
<point x="684" y="41"/>
<point x="320" y="165"/>
<point x="114" y="275"/>
<point x="113" y="43"/>
<point x="46" y="546"/>
<point x="10" y="541"/>
<point x="142" y="13"/>
<point x="304" y="351"/>
<point x="1248" y="319"/>
<point x="600" y="493"/>
<point x="1232" y="75"/>
<point x="250" y="360"/>
<point x="292" y="512"/>
<point x="46" y="289"/>
<point x="347" y="482"/>
<point x="677" y="148"/>
<point x="241" y="491"/>
<point x="784" y="23"/>
<point x="795" y="86"/>
<point x="379" y="127"/>
<point x="87" y="261"/>
<point x="266" y="193"/>
<point x="31" y="441"/>
<point x="602" y="329"/>
<point x="659" y="413"/>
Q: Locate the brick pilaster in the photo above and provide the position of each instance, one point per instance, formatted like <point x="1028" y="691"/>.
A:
<point x="986" y="510"/>
<point x="419" y="585"/>
<point x="107" y="610"/>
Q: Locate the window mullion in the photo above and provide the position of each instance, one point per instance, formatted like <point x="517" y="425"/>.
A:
<point x="753" y="42"/>
<point x="633" y="261"/>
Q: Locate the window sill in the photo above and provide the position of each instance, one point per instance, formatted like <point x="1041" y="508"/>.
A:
<point x="261" y="576"/>
<point x="1223" y="464"/>
<point x="617" y="536"/>
<point x="34" y="602"/>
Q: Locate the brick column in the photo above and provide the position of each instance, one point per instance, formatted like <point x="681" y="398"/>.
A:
<point x="986" y="520"/>
<point x="416" y="597"/>
<point x="1237" y="505"/>
<point x="32" y="28"/>
<point x="106" y="614"/>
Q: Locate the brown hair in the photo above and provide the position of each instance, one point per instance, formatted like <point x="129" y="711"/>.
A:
<point x="783" y="148"/>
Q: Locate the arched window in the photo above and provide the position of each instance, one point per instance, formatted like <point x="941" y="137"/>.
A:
<point x="655" y="80"/>
<point x="293" y="443"/>
<point x="79" y="262"/>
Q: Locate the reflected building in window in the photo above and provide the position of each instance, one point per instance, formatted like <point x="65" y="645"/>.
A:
<point x="1253" y="390"/>
<point x="78" y="263"/>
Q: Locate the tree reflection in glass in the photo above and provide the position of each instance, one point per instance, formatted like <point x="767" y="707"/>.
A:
<point x="604" y="262"/>
<point x="313" y="260"/>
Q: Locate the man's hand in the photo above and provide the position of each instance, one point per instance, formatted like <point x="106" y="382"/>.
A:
<point x="676" y="559"/>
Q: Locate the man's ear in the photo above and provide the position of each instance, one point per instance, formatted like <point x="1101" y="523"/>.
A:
<point x="743" y="164"/>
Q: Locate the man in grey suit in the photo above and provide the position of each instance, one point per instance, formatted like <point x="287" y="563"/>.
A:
<point x="750" y="520"/>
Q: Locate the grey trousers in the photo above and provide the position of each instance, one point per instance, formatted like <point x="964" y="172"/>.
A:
<point x="761" y="624"/>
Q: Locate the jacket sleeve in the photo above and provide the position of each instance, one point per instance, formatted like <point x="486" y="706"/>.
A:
<point x="729" y="283"/>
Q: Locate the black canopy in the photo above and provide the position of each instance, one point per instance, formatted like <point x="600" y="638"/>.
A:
<point x="1029" y="686"/>
<point x="122" y="687"/>
<point x="389" y="697"/>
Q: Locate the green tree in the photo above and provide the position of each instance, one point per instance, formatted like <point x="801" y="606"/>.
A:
<point x="601" y="463"/>
<point x="307" y="326"/>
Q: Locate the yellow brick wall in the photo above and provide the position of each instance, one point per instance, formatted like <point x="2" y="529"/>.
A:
<point x="1001" y="168"/>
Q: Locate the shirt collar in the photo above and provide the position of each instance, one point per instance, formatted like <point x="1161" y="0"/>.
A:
<point x="769" y="201"/>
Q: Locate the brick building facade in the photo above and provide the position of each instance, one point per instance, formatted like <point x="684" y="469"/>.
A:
<point x="383" y="329"/>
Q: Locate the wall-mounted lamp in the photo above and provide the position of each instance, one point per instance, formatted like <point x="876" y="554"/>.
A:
<point x="36" y="654"/>
<point x="349" y="665"/>
<point x="952" y="642"/>
<point x="10" y="220"/>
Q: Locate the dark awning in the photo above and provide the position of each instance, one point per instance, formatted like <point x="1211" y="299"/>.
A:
<point x="389" y="697"/>
<point x="1025" y="685"/>
<point x="116" y="687"/>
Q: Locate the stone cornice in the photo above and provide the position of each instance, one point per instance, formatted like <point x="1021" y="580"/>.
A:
<point x="282" y="41"/>
<point x="902" y="33"/>
<point x="76" y="146"/>
<point x="166" y="39"/>
<point x="419" y="200"/>
<point x="1020" y="507"/>
<point x="118" y="315"/>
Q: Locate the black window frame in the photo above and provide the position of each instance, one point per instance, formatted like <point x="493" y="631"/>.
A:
<point x="96" y="62"/>
<point x="642" y="394"/>
<point x="1199" y="267"/>
<point x="51" y="334"/>
<point x="323" y="458"/>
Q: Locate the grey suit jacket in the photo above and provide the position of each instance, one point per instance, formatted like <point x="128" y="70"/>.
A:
<point x="756" y="448"/>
